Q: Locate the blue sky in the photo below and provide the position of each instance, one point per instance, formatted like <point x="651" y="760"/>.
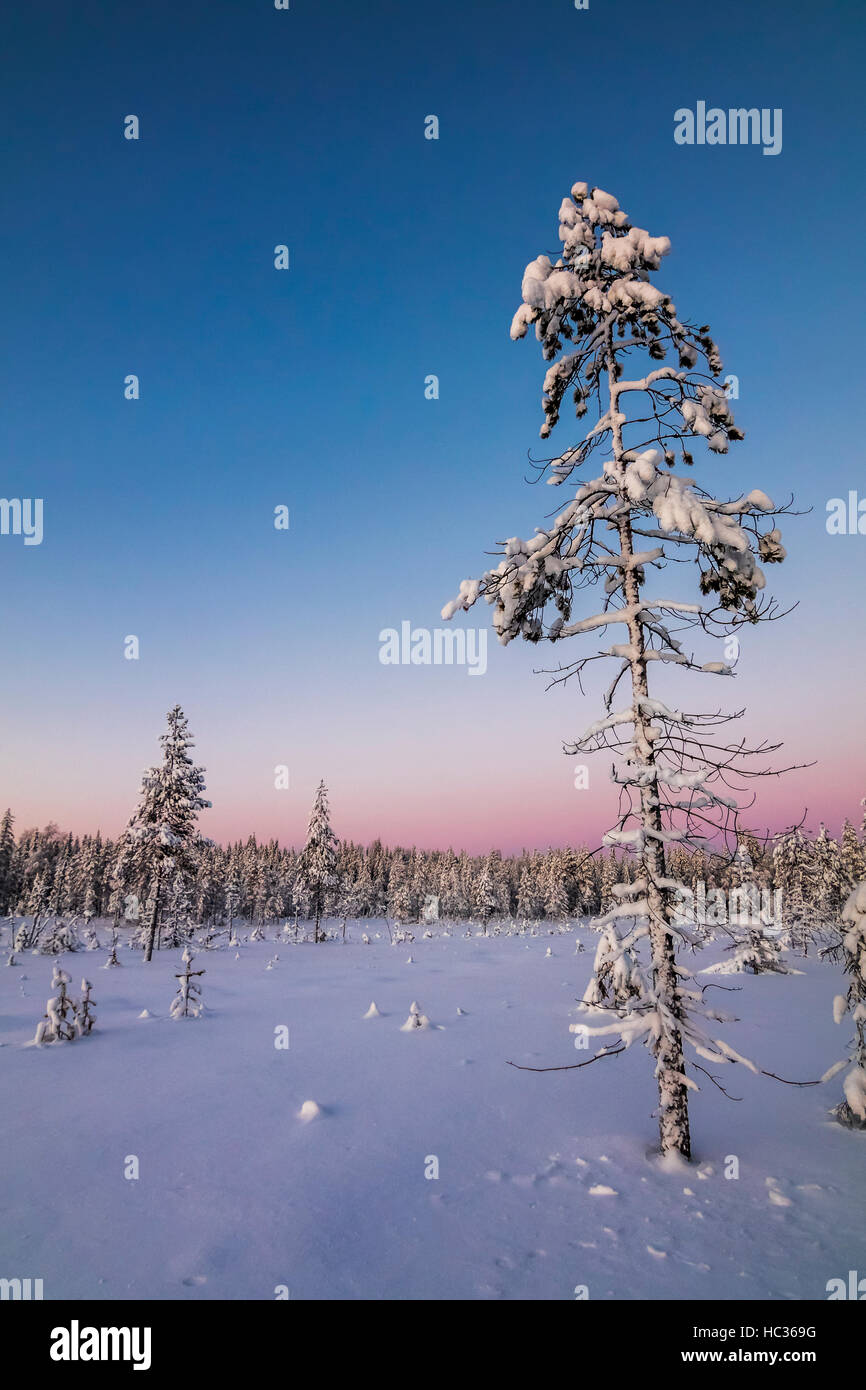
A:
<point x="306" y="387"/>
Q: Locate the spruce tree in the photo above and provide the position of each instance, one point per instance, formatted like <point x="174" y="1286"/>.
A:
<point x="162" y="838"/>
<point x="317" y="864"/>
<point x="8" y="890"/>
<point x="852" y="1110"/>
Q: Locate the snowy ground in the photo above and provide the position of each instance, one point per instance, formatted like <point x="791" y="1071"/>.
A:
<point x="546" y="1182"/>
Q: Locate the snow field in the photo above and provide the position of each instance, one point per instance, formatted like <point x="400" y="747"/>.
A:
<point x="262" y="1166"/>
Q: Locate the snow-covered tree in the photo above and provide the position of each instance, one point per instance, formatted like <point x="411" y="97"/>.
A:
<point x="36" y="906"/>
<point x="350" y="901"/>
<point x="84" y="1015"/>
<point x="317" y="865"/>
<point x="399" y="892"/>
<point x="555" y="893"/>
<point x="454" y="897"/>
<point x="187" y="1003"/>
<point x="586" y="884"/>
<point x="754" y="953"/>
<point x="162" y="839"/>
<point x="232" y="896"/>
<point x="851" y="859"/>
<point x="8" y="886"/>
<point x="485" y="899"/>
<point x="607" y="881"/>
<point x="829" y="884"/>
<point x="852" y="1110"/>
<point x="62" y="938"/>
<point x="598" y="298"/>
<point x="58" y="1023"/>
<point x="89" y="878"/>
<point x="58" y="893"/>
<point x="617" y="980"/>
<point x="795" y="877"/>
<point x="178" y="919"/>
<point x="529" y="893"/>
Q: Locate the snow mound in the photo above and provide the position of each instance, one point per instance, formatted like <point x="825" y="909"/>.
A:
<point x="600" y="1190"/>
<point x="309" y="1111"/>
<point x="145" y="1013"/>
<point x="372" y="1012"/>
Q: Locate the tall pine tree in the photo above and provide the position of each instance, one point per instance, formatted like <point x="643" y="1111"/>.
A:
<point x="634" y="519"/>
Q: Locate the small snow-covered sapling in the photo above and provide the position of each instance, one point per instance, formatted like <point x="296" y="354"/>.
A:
<point x="84" y="1015"/>
<point x="187" y="1002"/>
<point x="112" y="959"/>
<point x="416" y="1019"/>
<point x="58" y="1023"/>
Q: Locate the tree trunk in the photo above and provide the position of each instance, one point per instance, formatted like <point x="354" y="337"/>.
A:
<point x="151" y="931"/>
<point x="673" y="1112"/>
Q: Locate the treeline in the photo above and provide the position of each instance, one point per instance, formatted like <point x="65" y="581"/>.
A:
<point x="45" y="873"/>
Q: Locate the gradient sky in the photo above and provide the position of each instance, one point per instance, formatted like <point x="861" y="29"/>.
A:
<point x="306" y="387"/>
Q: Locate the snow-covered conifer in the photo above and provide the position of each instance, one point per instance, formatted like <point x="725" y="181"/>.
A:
<point x="187" y="1002"/>
<point x="162" y="839"/>
<point x="852" y="1110"/>
<point x="555" y="893"/>
<point x="317" y="864"/>
<point x="88" y="878"/>
<point x="231" y="906"/>
<point x="795" y="878"/>
<point x="617" y="981"/>
<point x="528" y="893"/>
<point x="112" y="959"/>
<point x="350" y="901"/>
<point x="599" y="299"/>
<point x="399" y="892"/>
<point x="84" y="1015"/>
<point x="8" y="886"/>
<point x="36" y="907"/>
<point x="61" y="938"/>
<point x="58" y="1023"/>
<point x="851" y="859"/>
<point x="178" y="919"/>
<point x="485" y="900"/>
<point x="754" y="953"/>
<point x="829" y="883"/>
<point x="607" y="881"/>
